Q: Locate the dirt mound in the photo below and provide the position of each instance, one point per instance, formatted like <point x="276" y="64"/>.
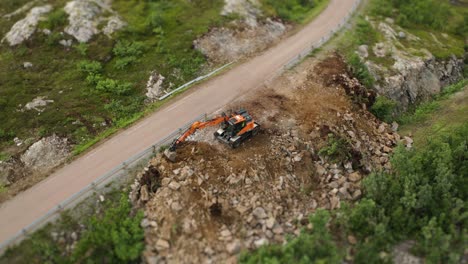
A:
<point x="215" y="201"/>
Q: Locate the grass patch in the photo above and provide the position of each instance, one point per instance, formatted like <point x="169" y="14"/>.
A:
<point x="113" y="235"/>
<point x="298" y="11"/>
<point x="424" y="111"/>
<point x="159" y="36"/>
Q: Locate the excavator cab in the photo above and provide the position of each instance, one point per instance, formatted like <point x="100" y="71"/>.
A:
<point x="239" y="127"/>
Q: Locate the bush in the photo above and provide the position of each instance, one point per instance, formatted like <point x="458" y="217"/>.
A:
<point x="431" y="13"/>
<point x="122" y="63"/>
<point x="6" y="135"/>
<point x="114" y="86"/>
<point x="125" y="48"/>
<point x="384" y="108"/>
<point x="360" y="71"/>
<point x="90" y="67"/>
<point x="337" y="148"/>
<point x="57" y="18"/>
<point x="82" y="48"/>
<point x="121" y="110"/>
<point x="314" y="247"/>
<point x="116" y="237"/>
<point x="293" y="10"/>
<point x="365" y="33"/>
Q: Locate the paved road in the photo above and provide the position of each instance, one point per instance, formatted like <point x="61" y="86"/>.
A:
<point x="208" y="97"/>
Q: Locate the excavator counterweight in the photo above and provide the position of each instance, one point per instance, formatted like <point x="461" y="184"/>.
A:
<point x="234" y="130"/>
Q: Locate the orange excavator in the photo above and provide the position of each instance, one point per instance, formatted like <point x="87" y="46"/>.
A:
<point x="234" y="130"/>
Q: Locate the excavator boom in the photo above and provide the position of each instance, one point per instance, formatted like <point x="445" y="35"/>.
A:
<point x="196" y="126"/>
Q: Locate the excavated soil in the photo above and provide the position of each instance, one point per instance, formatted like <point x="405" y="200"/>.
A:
<point x="214" y="202"/>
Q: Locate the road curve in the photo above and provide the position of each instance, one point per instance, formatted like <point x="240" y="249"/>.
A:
<point x="208" y="97"/>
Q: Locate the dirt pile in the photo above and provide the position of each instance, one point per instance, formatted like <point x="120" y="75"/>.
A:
<point x="315" y="147"/>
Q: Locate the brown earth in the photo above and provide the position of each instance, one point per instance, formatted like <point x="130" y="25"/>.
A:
<point x="215" y="201"/>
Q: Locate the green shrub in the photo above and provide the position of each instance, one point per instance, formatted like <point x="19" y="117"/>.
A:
<point x="3" y="103"/>
<point x="293" y="10"/>
<point x="384" y="108"/>
<point x="82" y="48"/>
<point x="314" y="247"/>
<point x="360" y="71"/>
<point x="430" y="13"/>
<point x="365" y="33"/>
<point x="114" y="86"/>
<point x="122" y="63"/>
<point x="125" y="48"/>
<point x="337" y="148"/>
<point x="90" y="67"/>
<point x="124" y="110"/>
<point x="116" y="237"/>
<point x="6" y="135"/>
<point x="56" y="19"/>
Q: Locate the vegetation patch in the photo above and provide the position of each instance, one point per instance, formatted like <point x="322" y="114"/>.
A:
<point x="422" y="200"/>
<point x="297" y="11"/>
<point x="114" y="235"/>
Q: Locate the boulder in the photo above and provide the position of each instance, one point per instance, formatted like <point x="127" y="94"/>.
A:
<point x="38" y="103"/>
<point x="23" y="29"/>
<point x="154" y="87"/>
<point x="46" y="154"/>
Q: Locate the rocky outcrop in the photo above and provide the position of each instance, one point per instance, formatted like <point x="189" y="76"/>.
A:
<point x="38" y="103"/>
<point x="245" y="36"/>
<point x="228" y="44"/>
<point x="247" y="9"/>
<point x="46" y="154"/>
<point x="410" y="79"/>
<point x="154" y="87"/>
<point x="24" y="29"/>
<point x="86" y="16"/>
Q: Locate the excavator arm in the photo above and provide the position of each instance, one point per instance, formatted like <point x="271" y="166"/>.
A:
<point x="196" y="126"/>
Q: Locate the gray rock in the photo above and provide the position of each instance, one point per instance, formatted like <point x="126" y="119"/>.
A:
<point x="175" y="206"/>
<point x="260" y="242"/>
<point x="144" y="195"/>
<point x="38" y="103"/>
<point x="154" y="86"/>
<point x="23" y="29"/>
<point x="233" y="247"/>
<point x="259" y="213"/>
<point x="18" y="141"/>
<point x="66" y="43"/>
<point x="162" y="244"/>
<point x="380" y="50"/>
<point x="114" y="24"/>
<point x="145" y="223"/>
<point x="401" y="34"/>
<point x="27" y="65"/>
<point x="174" y="185"/>
<point x="363" y="51"/>
<point x="46" y="154"/>
<point x="165" y="181"/>
<point x="82" y="17"/>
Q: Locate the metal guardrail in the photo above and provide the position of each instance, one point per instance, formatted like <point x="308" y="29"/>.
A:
<point x="294" y="61"/>
<point x="93" y="187"/>
<point x="194" y="81"/>
<point x="146" y="154"/>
